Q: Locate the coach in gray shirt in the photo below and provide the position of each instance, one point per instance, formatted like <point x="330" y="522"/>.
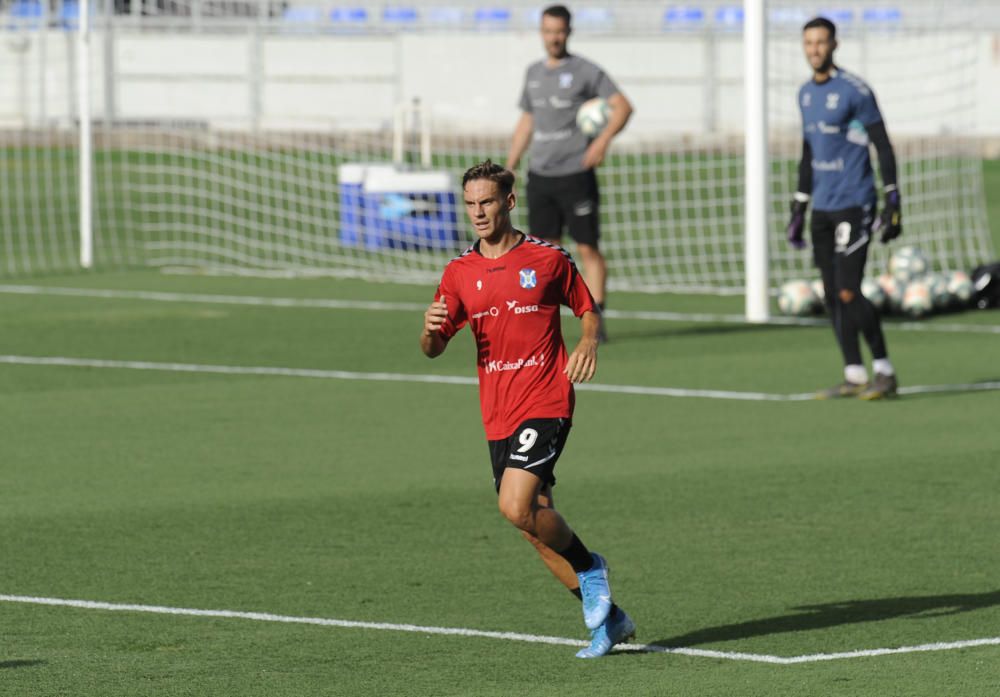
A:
<point x="562" y="187"/>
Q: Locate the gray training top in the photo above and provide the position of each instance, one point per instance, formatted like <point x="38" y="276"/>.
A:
<point x="553" y="96"/>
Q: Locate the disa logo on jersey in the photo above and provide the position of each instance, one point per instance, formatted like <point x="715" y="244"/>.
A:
<point x="528" y="278"/>
<point x="521" y="309"/>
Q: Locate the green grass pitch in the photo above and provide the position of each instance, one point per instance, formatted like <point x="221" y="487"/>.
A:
<point x="785" y="529"/>
<point x="771" y="528"/>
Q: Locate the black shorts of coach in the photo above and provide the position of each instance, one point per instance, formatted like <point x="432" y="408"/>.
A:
<point x="534" y="447"/>
<point x="569" y="202"/>
<point x="840" y="242"/>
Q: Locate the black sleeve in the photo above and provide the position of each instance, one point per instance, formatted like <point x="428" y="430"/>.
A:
<point x="806" y="169"/>
<point x="886" y="156"/>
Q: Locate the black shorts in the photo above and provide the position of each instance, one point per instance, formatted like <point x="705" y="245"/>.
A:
<point x="571" y="202"/>
<point x="534" y="447"/>
<point x="840" y="242"/>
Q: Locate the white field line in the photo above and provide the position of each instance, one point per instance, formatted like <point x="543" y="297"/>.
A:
<point x="479" y="633"/>
<point x="382" y="306"/>
<point x="315" y="373"/>
<point x="66" y="361"/>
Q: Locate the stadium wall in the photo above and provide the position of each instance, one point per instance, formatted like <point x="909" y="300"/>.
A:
<point x="684" y="84"/>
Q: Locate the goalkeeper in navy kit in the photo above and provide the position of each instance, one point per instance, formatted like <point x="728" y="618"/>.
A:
<point x="840" y="118"/>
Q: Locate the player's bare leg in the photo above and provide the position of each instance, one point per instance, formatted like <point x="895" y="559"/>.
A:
<point x="555" y="563"/>
<point x="595" y="273"/>
<point x="617" y="628"/>
<point x="518" y="502"/>
<point x="595" y="270"/>
<point x="519" y="493"/>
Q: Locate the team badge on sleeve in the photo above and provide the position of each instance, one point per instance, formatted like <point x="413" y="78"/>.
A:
<point x="528" y="278"/>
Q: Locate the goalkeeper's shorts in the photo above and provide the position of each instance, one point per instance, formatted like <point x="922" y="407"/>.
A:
<point x="840" y="241"/>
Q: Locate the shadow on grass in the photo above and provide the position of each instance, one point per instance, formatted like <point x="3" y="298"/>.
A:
<point x="27" y="663"/>
<point x="809" y="617"/>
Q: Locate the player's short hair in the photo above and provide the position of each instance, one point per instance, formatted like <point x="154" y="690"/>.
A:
<point x="560" y="11"/>
<point x="822" y="22"/>
<point x="502" y="176"/>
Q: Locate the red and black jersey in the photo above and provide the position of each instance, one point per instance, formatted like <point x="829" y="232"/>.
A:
<point x="512" y="306"/>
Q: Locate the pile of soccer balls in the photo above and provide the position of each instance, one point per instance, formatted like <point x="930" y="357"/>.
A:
<point x="909" y="288"/>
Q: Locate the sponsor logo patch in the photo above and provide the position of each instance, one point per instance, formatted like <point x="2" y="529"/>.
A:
<point x="503" y="366"/>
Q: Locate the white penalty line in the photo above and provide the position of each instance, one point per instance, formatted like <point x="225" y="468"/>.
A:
<point x="321" y="374"/>
<point x="485" y="634"/>
<point x="384" y="306"/>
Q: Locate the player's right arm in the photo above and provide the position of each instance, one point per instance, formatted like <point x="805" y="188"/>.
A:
<point x="800" y="202"/>
<point x="521" y="139"/>
<point x="432" y="341"/>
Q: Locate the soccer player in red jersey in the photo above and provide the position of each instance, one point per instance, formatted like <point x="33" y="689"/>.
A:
<point x="508" y="288"/>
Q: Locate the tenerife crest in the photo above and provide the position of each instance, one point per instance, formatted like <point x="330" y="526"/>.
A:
<point x="528" y="278"/>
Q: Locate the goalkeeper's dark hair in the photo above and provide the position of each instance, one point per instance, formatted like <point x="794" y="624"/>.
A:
<point x="503" y="177"/>
<point x="822" y="22"/>
<point x="560" y="11"/>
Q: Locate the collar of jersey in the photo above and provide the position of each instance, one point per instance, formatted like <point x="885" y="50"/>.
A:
<point x="834" y="72"/>
<point x="560" y="64"/>
<point x="524" y="236"/>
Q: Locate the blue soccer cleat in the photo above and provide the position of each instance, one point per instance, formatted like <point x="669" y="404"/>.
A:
<point x="595" y="592"/>
<point x="615" y="630"/>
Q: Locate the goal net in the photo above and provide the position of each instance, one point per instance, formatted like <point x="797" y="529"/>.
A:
<point x="270" y="140"/>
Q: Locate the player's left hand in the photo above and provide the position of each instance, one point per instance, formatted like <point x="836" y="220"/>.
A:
<point x="582" y="363"/>
<point x="596" y="151"/>
<point x="890" y="220"/>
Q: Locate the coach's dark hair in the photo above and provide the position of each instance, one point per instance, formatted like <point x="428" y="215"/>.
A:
<point x="560" y="11"/>
<point x="822" y="22"/>
<point x="503" y="177"/>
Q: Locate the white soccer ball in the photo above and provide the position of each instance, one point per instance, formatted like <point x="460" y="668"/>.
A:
<point x="907" y="263"/>
<point x="938" y="283"/>
<point x="917" y="300"/>
<point x="873" y="291"/>
<point x="818" y="290"/>
<point x="893" y="289"/>
<point x="592" y="116"/>
<point x="960" y="288"/>
<point x="796" y="298"/>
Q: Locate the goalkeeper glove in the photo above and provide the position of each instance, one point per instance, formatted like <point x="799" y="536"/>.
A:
<point x="798" y="222"/>
<point x="890" y="221"/>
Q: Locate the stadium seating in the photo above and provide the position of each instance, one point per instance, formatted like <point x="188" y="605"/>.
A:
<point x="444" y="16"/>
<point x="492" y="17"/>
<point x="24" y="14"/>
<point x="729" y="17"/>
<point x="349" y="15"/>
<point x="399" y="15"/>
<point x="683" y="17"/>
<point x="882" y="15"/>
<point x="594" y="18"/>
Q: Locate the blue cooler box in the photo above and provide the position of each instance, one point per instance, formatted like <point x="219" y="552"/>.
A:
<point x="409" y="209"/>
<point x="351" y="179"/>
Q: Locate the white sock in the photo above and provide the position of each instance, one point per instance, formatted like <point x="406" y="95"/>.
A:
<point x="883" y="367"/>
<point x="856" y="374"/>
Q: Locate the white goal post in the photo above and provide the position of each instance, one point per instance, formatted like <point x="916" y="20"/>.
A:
<point x="757" y="176"/>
